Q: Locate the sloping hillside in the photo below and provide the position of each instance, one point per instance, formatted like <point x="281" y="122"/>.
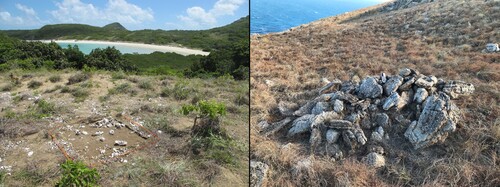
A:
<point x="211" y="39"/>
<point x="442" y="38"/>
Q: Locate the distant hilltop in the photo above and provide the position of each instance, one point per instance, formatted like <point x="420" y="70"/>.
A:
<point x="115" y="26"/>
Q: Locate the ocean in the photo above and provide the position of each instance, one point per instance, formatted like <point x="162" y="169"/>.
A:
<point x="86" y="48"/>
<point x="277" y="15"/>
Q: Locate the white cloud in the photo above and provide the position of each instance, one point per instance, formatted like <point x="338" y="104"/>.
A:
<point x="198" y="17"/>
<point x="115" y="11"/>
<point x="29" y="19"/>
<point x="26" y="10"/>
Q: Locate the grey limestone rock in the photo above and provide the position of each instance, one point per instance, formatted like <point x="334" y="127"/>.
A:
<point x="492" y="47"/>
<point x="320" y="107"/>
<point x="301" y="125"/>
<point x="338" y="106"/>
<point x="258" y="173"/>
<point x="392" y="84"/>
<point x="391" y="101"/>
<point x="407" y="84"/>
<point x="457" y="88"/>
<point x="369" y="88"/>
<point x="381" y="119"/>
<point x="374" y="160"/>
<point x="332" y="136"/>
<point x="434" y="123"/>
<point x="420" y="95"/>
<point x="426" y="82"/>
<point x="404" y="72"/>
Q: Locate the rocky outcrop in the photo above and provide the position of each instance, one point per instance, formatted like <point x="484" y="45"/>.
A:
<point x="400" y="4"/>
<point x="338" y="122"/>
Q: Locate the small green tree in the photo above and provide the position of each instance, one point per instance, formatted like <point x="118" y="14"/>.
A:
<point x="77" y="174"/>
<point x="207" y="117"/>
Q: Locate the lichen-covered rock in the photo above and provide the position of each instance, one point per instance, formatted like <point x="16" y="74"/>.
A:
<point x="324" y="118"/>
<point x="420" y="95"/>
<point x="320" y="107"/>
<point x="287" y="108"/>
<point x="434" y="123"/>
<point x="374" y="160"/>
<point x="258" y="173"/>
<point x="377" y="134"/>
<point x="404" y="99"/>
<point x="426" y="82"/>
<point x="392" y="84"/>
<point x="391" y="101"/>
<point x="407" y="84"/>
<point x="301" y="125"/>
<point x="369" y="88"/>
<point x="338" y="106"/>
<point x="457" y="88"/>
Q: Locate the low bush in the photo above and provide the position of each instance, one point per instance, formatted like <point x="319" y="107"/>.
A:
<point x="34" y="84"/>
<point x="77" y="174"/>
<point x="79" y="77"/>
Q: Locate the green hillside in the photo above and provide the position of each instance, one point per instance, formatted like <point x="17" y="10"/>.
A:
<point x="209" y="40"/>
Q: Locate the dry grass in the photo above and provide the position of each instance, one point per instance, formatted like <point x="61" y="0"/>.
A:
<point x="438" y="40"/>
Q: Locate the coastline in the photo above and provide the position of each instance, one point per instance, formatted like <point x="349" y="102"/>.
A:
<point x="161" y="48"/>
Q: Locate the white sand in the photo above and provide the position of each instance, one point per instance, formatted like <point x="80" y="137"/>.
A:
<point x="161" y="48"/>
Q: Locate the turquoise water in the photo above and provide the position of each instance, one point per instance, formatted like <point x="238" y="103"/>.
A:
<point x="86" y="48"/>
<point x="278" y="15"/>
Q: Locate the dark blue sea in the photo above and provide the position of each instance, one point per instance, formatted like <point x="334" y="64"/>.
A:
<point x="278" y="15"/>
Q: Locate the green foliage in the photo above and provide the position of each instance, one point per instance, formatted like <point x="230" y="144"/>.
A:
<point x="79" y="77"/>
<point x="118" y="75"/>
<point x="145" y="84"/>
<point x="180" y="91"/>
<point x="55" y="78"/>
<point x="123" y="89"/>
<point x="77" y="174"/>
<point x="159" y="63"/>
<point x="204" y="108"/>
<point x="34" y="84"/>
<point x="43" y="109"/>
<point x="108" y="59"/>
<point x="218" y="148"/>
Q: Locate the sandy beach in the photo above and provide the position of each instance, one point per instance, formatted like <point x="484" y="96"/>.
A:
<point x="161" y="48"/>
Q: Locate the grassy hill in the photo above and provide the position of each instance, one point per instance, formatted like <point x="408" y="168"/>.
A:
<point x="442" y="38"/>
<point x="210" y="39"/>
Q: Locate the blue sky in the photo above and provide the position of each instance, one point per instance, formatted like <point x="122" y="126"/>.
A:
<point x="133" y="14"/>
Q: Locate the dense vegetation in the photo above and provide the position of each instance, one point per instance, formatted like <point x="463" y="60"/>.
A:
<point x="228" y="45"/>
<point x="209" y="40"/>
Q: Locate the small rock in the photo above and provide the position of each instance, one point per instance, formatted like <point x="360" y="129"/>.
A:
<point x="392" y="84"/>
<point x="102" y="151"/>
<point x="407" y="84"/>
<point x="320" y="108"/>
<point x="338" y="106"/>
<point x="374" y="160"/>
<point x="98" y="133"/>
<point x="77" y="132"/>
<point x="102" y="139"/>
<point x="301" y="125"/>
<point x="332" y="136"/>
<point x="120" y="143"/>
<point x="457" y="88"/>
<point x="391" y="101"/>
<point x="111" y="132"/>
<point x="381" y="119"/>
<point x="301" y="166"/>
<point x="426" y="82"/>
<point x="369" y="88"/>
<point x="492" y="47"/>
<point x="383" y="78"/>
<point x="404" y="72"/>
<point x="85" y="133"/>
<point x="420" y="95"/>
<point x="30" y="153"/>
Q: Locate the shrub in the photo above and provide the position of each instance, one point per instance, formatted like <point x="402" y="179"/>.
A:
<point x="79" y="77"/>
<point x="118" y="75"/>
<point x="180" y="91"/>
<point x="80" y="94"/>
<point x="207" y="119"/>
<point x="34" y="84"/>
<point x="41" y="109"/>
<point x="77" y="174"/>
<point x="145" y="84"/>
<point x="55" y="78"/>
<point x="123" y="89"/>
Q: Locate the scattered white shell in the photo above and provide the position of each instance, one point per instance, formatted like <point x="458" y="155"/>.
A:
<point x="111" y="132"/>
<point x="120" y="142"/>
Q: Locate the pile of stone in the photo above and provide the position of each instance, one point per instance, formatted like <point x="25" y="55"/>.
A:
<point x="110" y="123"/>
<point x="400" y="4"/>
<point x="352" y="114"/>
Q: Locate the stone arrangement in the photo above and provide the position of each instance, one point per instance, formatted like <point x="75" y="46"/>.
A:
<point x="348" y="115"/>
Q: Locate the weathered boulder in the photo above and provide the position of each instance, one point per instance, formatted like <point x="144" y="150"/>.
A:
<point x="407" y="84"/>
<point x="420" y="95"/>
<point x="301" y="125"/>
<point x="287" y="108"/>
<point x="381" y="119"/>
<point x="377" y="134"/>
<point x="374" y="160"/>
<point x="258" y="173"/>
<point x="492" y="47"/>
<point x="404" y="72"/>
<point x="369" y="88"/>
<point x="457" y="88"/>
<point x="392" y="84"/>
<point x="434" y="123"/>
